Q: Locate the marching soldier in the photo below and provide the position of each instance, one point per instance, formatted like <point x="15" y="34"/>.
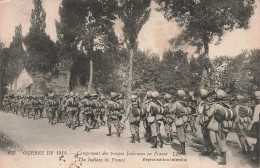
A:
<point x="51" y="106"/>
<point x="71" y="107"/>
<point x="223" y="124"/>
<point x="21" y="105"/>
<point x="144" y="115"/>
<point x="155" y="108"/>
<point x="102" y="110"/>
<point x="255" y="127"/>
<point x="192" y="117"/>
<point x="243" y="119"/>
<point x="35" y="106"/>
<point x="85" y="105"/>
<point x="41" y="105"/>
<point x="114" y="108"/>
<point x="95" y="110"/>
<point x="77" y="98"/>
<point x="6" y="104"/>
<point x="204" y="121"/>
<point x="14" y="104"/>
<point x="134" y="117"/>
<point x="168" y="117"/>
<point x="180" y="109"/>
<point x="27" y="105"/>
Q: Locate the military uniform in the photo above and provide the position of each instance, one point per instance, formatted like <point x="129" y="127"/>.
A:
<point x="242" y="122"/>
<point x="27" y="104"/>
<point x="96" y="111"/>
<point x="35" y="106"/>
<point x="154" y="109"/>
<point x="102" y="110"/>
<point x="180" y="110"/>
<point x="71" y="109"/>
<point x="14" y="104"/>
<point x="204" y="120"/>
<point x="255" y="127"/>
<point x="86" y="110"/>
<point x="51" y="107"/>
<point x="221" y="126"/>
<point x="113" y="115"/>
<point x="144" y="116"/>
<point x="41" y="105"/>
<point x="168" y="117"/>
<point x="21" y="105"/>
<point x="134" y="117"/>
<point x="6" y="104"/>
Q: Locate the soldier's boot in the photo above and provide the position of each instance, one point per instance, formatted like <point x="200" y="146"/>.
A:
<point x="78" y="122"/>
<point x="183" y="152"/>
<point x="247" y="146"/>
<point x="138" y="137"/>
<point x="154" y="139"/>
<point x="73" y="125"/>
<point x="171" y="137"/>
<point x="161" y="140"/>
<point x="243" y="148"/>
<point x="133" y="139"/>
<point x="109" y="131"/>
<point x="207" y="152"/>
<point x="149" y="138"/>
<point x="168" y="137"/>
<point x="256" y="152"/>
<point x="223" y="159"/>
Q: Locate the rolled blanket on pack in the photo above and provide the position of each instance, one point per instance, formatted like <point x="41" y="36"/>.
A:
<point x="225" y="114"/>
<point x="244" y="112"/>
<point x="136" y="112"/>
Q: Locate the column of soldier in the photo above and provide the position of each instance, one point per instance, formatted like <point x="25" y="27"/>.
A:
<point x="211" y="110"/>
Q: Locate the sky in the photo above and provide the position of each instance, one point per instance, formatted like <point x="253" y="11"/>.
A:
<point x="154" y="35"/>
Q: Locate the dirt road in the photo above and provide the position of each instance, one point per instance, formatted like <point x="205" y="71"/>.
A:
<point x="31" y="143"/>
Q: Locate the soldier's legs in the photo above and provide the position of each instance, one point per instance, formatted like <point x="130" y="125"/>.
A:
<point x="147" y="128"/>
<point x="242" y="138"/>
<point x="221" y="141"/>
<point x="154" y="133"/>
<point x="117" y="126"/>
<point x="41" y="110"/>
<point x="182" y="137"/>
<point x="109" y="122"/>
<point x="34" y="112"/>
<point x="208" y="143"/>
<point x="49" y="115"/>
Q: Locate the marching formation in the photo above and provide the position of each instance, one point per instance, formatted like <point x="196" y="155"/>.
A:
<point x="213" y="111"/>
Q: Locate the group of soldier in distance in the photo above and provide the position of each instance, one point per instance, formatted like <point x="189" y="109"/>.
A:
<point x="210" y="109"/>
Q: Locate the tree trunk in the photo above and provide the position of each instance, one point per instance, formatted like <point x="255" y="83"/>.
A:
<point x="15" y="84"/>
<point x="205" y="62"/>
<point x="68" y="81"/>
<point x="11" y="87"/>
<point x="90" y="75"/>
<point x="130" y="79"/>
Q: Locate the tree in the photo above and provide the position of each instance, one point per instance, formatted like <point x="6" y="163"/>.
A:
<point x="41" y="50"/>
<point x="72" y="19"/>
<point x="254" y="67"/>
<point x="17" y="54"/>
<point x="146" y="71"/>
<point x="99" y="17"/>
<point x="175" y="71"/>
<point x="86" y="38"/>
<point x="204" y="20"/>
<point x="134" y="15"/>
<point x="4" y="78"/>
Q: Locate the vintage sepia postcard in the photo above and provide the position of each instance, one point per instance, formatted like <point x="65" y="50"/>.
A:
<point x="129" y="83"/>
